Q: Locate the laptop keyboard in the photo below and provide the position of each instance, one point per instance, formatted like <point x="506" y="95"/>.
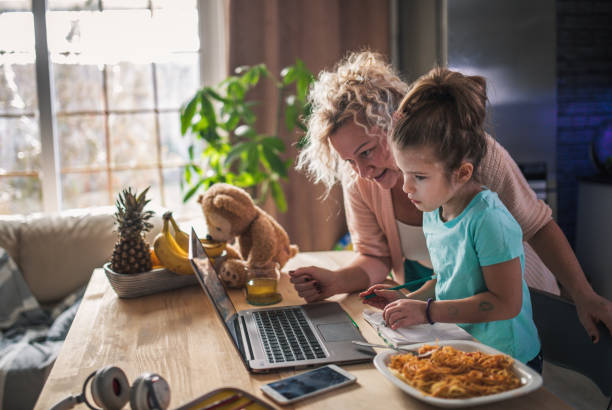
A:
<point x="287" y="336"/>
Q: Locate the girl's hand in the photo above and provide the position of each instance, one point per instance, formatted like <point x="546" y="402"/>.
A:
<point x="383" y="296"/>
<point x="313" y="283"/>
<point x="405" y="312"/>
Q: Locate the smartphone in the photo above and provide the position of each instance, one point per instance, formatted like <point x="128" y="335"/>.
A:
<point x="307" y="384"/>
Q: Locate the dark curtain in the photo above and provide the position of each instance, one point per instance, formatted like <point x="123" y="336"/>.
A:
<point x="319" y="32"/>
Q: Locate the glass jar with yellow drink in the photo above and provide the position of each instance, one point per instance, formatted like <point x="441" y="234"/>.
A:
<point x="262" y="285"/>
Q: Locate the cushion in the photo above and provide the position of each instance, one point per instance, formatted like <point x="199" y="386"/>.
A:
<point x="9" y="234"/>
<point x="59" y="252"/>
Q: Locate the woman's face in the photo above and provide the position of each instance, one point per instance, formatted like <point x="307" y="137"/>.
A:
<point x="369" y="155"/>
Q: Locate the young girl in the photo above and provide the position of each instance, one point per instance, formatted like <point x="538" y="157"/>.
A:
<point x="474" y="243"/>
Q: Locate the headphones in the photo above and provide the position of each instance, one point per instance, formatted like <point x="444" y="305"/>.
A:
<point x="111" y="390"/>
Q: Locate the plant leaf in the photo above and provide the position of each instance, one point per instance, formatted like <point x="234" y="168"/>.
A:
<point x="252" y="158"/>
<point x="190" y="151"/>
<point x="291" y="115"/>
<point x="243" y="130"/>
<point x="188" y="112"/>
<point x="302" y="142"/>
<point x="218" y="97"/>
<point x="264" y="191"/>
<point x="244" y="179"/>
<point x="232" y="122"/>
<point x="241" y="69"/>
<point x="235" y="152"/>
<point x="274" y="143"/>
<point x="276" y="163"/>
<point x="278" y="195"/>
<point x="235" y="89"/>
<point x="208" y="111"/>
<point x="192" y="190"/>
<point x="187" y="174"/>
<point x="289" y="75"/>
<point x="251" y="77"/>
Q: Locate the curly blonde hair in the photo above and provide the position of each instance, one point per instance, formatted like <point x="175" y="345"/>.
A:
<point x="362" y="88"/>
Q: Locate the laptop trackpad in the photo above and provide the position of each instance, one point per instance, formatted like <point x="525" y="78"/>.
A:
<point x="337" y="332"/>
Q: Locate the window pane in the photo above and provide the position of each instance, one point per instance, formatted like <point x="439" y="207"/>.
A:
<point x="136" y="35"/>
<point x="174" y="196"/>
<point x="84" y="190"/>
<point x="71" y="31"/>
<point x="20" y="195"/>
<point x="175" y="29"/>
<point x="15" y="5"/>
<point x="19" y="144"/>
<point x="177" y="80"/>
<point x="72" y="5"/>
<point x="184" y="4"/>
<point x="130" y="86"/>
<point x="138" y="180"/>
<point x="78" y="87"/>
<point x="132" y="139"/>
<point x="104" y="97"/>
<point x="17" y="84"/>
<point x="174" y="146"/>
<point x="17" y="32"/>
<point x="125" y="4"/>
<point x="82" y="141"/>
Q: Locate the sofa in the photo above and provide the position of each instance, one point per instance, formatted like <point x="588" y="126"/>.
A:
<point x="45" y="264"/>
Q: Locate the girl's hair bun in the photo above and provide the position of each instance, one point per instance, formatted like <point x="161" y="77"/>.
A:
<point x="445" y="109"/>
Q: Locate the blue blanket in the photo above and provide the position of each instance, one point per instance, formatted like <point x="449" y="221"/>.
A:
<point x="30" y="337"/>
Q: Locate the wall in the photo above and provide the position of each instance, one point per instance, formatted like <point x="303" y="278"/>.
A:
<point x="512" y="44"/>
<point x="584" y="95"/>
<point x="421" y="35"/>
<point x="549" y="69"/>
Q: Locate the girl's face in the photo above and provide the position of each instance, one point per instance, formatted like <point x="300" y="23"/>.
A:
<point x="426" y="180"/>
<point x="369" y="155"/>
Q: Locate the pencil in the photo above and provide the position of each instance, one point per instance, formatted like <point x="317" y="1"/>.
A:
<point x="405" y="285"/>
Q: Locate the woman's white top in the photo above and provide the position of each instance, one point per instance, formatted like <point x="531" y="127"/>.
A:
<point x="413" y="242"/>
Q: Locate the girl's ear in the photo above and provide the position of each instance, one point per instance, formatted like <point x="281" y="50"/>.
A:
<point x="464" y="172"/>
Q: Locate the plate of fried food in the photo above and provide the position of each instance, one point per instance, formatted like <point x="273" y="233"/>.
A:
<point x="457" y="373"/>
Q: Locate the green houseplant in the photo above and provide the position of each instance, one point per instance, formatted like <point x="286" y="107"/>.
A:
<point x="221" y="120"/>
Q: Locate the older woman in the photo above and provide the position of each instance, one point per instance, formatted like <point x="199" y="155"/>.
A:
<point x="352" y="110"/>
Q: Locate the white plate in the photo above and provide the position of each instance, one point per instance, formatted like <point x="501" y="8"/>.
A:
<point x="530" y="379"/>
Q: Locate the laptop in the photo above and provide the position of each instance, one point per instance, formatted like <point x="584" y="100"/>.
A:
<point x="281" y="337"/>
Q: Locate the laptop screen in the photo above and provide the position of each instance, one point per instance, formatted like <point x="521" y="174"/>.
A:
<point x="207" y="276"/>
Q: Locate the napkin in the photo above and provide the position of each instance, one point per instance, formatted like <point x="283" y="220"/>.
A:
<point x="416" y="333"/>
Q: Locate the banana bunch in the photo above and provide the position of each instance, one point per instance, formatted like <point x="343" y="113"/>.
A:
<point x="172" y="250"/>
<point x="182" y="238"/>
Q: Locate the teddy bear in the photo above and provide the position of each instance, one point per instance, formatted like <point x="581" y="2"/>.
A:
<point x="230" y="212"/>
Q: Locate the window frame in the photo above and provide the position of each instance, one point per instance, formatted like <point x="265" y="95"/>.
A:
<point x="213" y="68"/>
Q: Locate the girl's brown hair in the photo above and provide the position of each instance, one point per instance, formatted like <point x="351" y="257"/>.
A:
<point x="444" y="110"/>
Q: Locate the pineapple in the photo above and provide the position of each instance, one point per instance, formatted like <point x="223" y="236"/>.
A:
<point x="131" y="253"/>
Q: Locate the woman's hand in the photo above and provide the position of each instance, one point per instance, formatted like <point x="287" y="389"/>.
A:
<point x="314" y="283"/>
<point x="383" y="296"/>
<point x="593" y="309"/>
<point x="405" y="312"/>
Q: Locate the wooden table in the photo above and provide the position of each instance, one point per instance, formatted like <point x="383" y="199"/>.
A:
<point x="179" y="335"/>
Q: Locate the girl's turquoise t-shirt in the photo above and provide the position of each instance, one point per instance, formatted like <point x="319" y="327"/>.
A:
<point x="484" y="234"/>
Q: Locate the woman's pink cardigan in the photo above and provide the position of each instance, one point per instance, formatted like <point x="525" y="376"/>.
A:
<point x="371" y="220"/>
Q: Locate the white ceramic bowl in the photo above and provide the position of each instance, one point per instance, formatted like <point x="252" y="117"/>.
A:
<point x="530" y="379"/>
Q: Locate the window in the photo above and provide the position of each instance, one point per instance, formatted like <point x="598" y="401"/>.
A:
<point x="120" y="70"/>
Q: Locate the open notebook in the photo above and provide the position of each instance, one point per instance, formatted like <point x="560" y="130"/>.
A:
<point x="414" y="334"/>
